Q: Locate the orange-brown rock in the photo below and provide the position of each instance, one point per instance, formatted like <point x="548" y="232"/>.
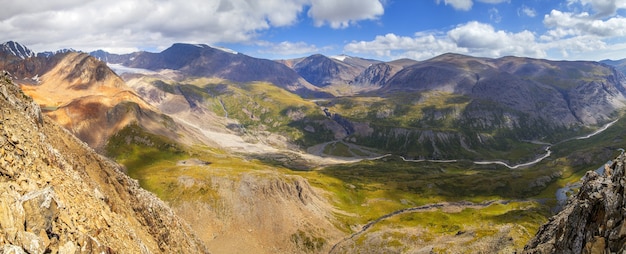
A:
<point x="83" y="95"/>
<point x="59" y="196"/>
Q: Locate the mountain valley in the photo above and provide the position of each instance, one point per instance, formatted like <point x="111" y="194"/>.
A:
<point x="334" y="154"/>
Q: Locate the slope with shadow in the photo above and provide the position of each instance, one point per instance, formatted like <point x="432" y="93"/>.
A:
<point x="456" y="106"/>
<point x="58" y="195"/>
<point x="87" y="98"/>
<point x="324" y="71"/>
<point x="619" y="65"/>
<point x="204" y="61"/>
<point x="562" y="93"/>
<point x="379" y="74"/>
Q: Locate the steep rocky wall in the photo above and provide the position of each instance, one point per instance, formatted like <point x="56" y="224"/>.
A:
<point x="58" y="195"/>
<point x="593" y="220"/>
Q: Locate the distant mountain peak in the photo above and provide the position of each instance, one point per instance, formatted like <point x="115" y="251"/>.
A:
<point x="16" y="49"/>
<point x="341" y="57"/>
<point x="60" y="51"/>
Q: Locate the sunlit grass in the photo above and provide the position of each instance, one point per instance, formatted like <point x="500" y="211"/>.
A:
<point x="523" y="218"/>
<point x="364" y="191"/>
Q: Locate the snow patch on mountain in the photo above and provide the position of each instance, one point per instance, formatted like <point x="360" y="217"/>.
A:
<point x="227" y="50"/>
<point x="17" y="49"/>
<point x="340" y="57"/>
<point x="120" y="69"/>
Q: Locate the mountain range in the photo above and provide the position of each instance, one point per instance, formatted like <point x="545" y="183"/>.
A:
<point x="205" y="61"/>
<point x="515" y="94"/>
<point x="342" y="143"/>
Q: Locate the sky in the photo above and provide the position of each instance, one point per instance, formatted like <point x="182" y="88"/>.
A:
<point x="283" y="29"/>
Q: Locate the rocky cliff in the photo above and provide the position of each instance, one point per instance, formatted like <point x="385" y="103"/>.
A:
<point x="593" y="220"/>
<point x="58" y="195"/>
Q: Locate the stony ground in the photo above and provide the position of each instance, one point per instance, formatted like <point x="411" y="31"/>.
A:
<point x="58" y="195"/>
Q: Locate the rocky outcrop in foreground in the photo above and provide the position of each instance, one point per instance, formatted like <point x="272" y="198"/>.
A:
<point x="58" y="196"/>
<point x="593" y="220"/>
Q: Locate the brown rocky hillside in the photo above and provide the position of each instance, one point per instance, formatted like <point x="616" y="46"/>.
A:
<point x="593" y="221"/>
<point x="58" y="195"/>
<point x="83" y="95"/>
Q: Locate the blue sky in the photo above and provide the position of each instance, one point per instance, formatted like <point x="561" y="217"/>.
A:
<point x="280" y="29"/>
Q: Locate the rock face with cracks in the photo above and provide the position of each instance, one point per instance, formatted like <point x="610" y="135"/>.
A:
<point x="58" y="196"/>
<point x="593" y="221"/>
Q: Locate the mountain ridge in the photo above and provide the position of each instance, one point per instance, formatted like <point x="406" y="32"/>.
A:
<point x="204" y="61"/>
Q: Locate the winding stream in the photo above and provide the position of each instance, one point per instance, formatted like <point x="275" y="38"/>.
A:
<point x="546" y="155"/>
<point x="561" y="194"/>
<point x="461" y="204"/>
<point x="526" y="164"/>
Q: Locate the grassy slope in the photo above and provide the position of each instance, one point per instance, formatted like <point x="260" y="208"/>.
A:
<point x="365" y="191"/>
<point x="427" y="124"/>
<point x="257" y="106"/>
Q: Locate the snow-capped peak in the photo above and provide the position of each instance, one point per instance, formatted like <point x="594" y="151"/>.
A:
<point x="227" y="50"/>
<point x="17" y="49"/>
<point x="340" y="57"/>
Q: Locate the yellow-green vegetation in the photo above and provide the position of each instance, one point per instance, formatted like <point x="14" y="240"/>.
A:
<point x="363" y="192"/>
<point x="437" y="125"/>
<point x="575" y="157"/>
<point x="171" y="171"/>
<point x="257" y="106"/>
<point x="367" y="190"/>
<point x="407" y="110"/>
<point x="306" y="242"/>
<point x="338" y="149"/>
<point x="343" y="149"/>
<point x="460" y="227"/>
<point x="135" y="148"/>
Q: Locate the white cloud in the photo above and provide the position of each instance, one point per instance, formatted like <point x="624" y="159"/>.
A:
<point x="591" y="29"/>
<point x="483" y="39"/>
<point x="35" y="6"/>
<point x="565" y="24"/>
<point x="494" y="15"/>
<point x="463" y="5"/>
<point x="466" y="5"/>
<point x="287" y="48"/>
<point x="391" y="46"/>
<point x="340" y="14"/>
<point x="602" y="8"/>
<point x="525" y="10"/>
<point x="570" y="35"/>
<point x="122" y="25"/>
<point x="472" y="38"/>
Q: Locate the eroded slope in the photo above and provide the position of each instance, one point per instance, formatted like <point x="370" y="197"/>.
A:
<point x="56" y="194"/>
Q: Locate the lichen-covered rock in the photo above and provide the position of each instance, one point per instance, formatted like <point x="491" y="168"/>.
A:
<point x="592" y="221"/>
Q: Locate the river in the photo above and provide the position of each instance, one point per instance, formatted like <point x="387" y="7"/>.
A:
<point x="562" y="193"/>
<point x="548" y="152"/>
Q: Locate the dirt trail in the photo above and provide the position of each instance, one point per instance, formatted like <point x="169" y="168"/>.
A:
<point x="457" y="205"/>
